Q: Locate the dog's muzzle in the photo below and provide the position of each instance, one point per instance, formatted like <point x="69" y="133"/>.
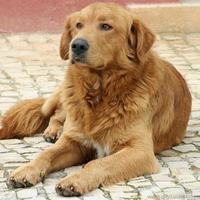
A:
<point x="79" y="47"/>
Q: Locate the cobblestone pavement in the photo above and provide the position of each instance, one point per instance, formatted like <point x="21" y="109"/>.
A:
<point x="30" y="66"/>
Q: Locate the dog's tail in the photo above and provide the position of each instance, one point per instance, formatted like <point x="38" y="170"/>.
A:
<point x="24" y="119"/>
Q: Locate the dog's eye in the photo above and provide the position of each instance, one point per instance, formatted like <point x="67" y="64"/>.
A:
<point x="105" y="27"/>
<point x="79" y="25"/>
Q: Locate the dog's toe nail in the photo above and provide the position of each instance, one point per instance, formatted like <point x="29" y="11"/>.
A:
<point x="59" y="189"/>
<point x="27" y="183"/>
<point x="51" y="140"/>
<point x="74" y="192"/>
<point x="12" y="180"/>
<point x="54" y="139"/>
<point x="72" y="188"/>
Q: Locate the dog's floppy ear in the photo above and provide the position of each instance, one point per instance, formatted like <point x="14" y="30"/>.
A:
<point x="66" y="37"/>
<point x="141" y="38"/>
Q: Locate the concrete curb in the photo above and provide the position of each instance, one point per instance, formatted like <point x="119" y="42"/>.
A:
<point x="169" y="18"/>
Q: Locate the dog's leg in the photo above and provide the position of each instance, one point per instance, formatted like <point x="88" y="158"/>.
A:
<point x="127" y="163"/>
<point x="54" y="129"/>
<point x="62" y="154"/>
<point x="54" y="108"/>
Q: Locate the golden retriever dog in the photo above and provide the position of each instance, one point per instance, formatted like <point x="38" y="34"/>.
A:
<point x="118" y="106"/>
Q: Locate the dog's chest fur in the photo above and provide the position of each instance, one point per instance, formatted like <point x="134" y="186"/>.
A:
<point x="98" y="104"/>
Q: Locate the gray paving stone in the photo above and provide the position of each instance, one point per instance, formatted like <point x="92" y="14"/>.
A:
<point x="3" y="186"/>
<point x="165" y="184"/>
<point x="189" y="134"/>
<point x="12" y="165"/>
<point x="196" y="193"/>
<point x="196" y="144"/>
<point x="191" y="140"/>
<point x="186" y="178"/>
<point x="37" y="198"/>
<point x="1" y="173"/>
<point x="42" y="145"/>
<point x="179" y="165"/>
<point x="160" y="177"/>
<point x="140" y="183"/>
<point x="195" y="162"/>
<point x="57" y="197"/>
<point x="195" y="66"/>
<point x="146" y="194"/>
<point x="191" y="155"/>
<point x="28" y="150"/>
<point x="171" y="159"/>
<point x="16" y="146"/>
<point x="49" y="189"/>
<point x="117" y="188"/>
<point x="11" y="157"/>
<point x="180" y="171"/>
<point x="31" y="156"/>
<point x="3" y="150"/>
<point x="174" y="193"/>
<point x="185" y="148"/>
<point x="8" y="99"/>
<point x="192" y="186"/>
<point x="27" y="193"/>
<point x="122" y="195"/>
<point x="164" y="170"/>
<point x="168" y="153"/>
<point x="97" y="194"/>
<point x="7" y="195"/>
<point x="13" y="141"/>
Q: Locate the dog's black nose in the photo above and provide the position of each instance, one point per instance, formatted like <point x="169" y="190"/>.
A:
<point x="79" y="46"/>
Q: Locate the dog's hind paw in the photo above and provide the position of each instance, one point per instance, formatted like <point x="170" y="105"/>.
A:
<point x="52" y="134"/>
<point x="49" y="139"/>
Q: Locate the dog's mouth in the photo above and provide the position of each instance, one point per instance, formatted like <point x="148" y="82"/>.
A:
<point x="80" y="61"/>
<point x="76" y="60"/>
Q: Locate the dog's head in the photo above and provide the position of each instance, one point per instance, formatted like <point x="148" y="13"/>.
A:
<point x="103" y="33"/>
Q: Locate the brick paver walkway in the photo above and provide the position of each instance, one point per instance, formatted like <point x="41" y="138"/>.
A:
<point x="30" y="66"/>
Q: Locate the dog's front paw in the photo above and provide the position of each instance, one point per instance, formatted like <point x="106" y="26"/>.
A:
<point x="25" y="176"/>
<point x="68" y="191"/>
<point x="74" y="185"/>
<point x="22" y="184"/>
